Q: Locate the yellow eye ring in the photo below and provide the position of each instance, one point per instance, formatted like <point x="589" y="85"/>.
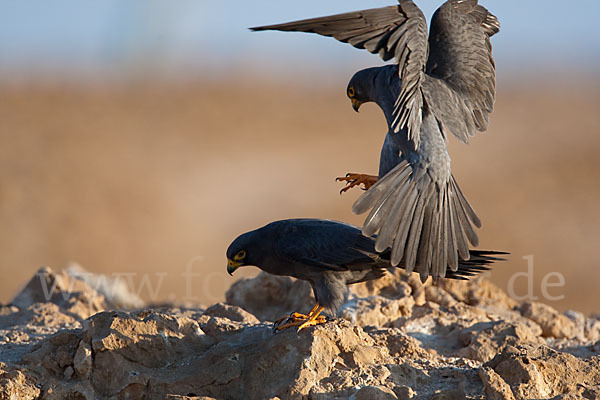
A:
<point x="240" y="255"/>
<point x="351" y="92"/>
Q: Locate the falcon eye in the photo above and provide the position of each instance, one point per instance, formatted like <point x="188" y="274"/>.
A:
<point x="351" y="92"/>
<point x="240" y="255"/>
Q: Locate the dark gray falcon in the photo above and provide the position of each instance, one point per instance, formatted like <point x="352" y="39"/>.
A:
<point x="441" y="84"/>
<point x="329" y="255"/>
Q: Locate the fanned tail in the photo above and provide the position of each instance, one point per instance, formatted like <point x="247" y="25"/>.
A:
<point x="479" y="261"/>
<point x="427" y="224"/>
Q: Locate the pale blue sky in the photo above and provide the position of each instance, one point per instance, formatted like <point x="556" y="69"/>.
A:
<point x="199" y="38"/>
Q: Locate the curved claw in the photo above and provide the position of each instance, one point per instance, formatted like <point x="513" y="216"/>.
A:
<point x="294" y="316"/>
<point x="353" y="179"/>
<point x="321" y="319"/>
<point x="301" y="320"/>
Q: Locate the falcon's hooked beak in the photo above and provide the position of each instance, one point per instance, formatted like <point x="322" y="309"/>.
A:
<point x="355" y="104"/>
<point x="232" y="266"/>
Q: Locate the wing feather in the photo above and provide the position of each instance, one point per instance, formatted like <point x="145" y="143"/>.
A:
<point x="460" y="56"/>
<point x="398" y="32"/>
<point x="323" y="244"/>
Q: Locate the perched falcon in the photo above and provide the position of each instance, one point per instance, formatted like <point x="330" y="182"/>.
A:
<point x="327" y="254"/>
<point x="440" y="84"/>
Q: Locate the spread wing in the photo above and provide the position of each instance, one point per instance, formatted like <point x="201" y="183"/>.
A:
<point x="462" y="88"/>
<point x="398" y="32"/>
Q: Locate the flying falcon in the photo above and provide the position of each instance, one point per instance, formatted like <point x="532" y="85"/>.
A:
<point x="441" y="84"/>
<point x="327" y="254"/>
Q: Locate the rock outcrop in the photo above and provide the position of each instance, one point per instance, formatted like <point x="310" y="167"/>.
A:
<point x="394" y="339"/>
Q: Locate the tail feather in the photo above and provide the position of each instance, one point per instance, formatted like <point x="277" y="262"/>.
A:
<point x="465" y="204"/>
<point x="427" y="223"/>
<point x="388" y="231"/>
<point x="403" y="229"/>
<point x="454" y="243"/>
<point x="462" y="245"/>
<point x="412" y="243"/>
<point x="480" y="261"/>
<point x="378" y="213"/>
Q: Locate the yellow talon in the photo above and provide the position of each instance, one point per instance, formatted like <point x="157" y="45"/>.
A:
<point x="302" y="321"/>
<point x="313" y="320"/>
<point x="321" y="319"/>
<point x="295" y="316"/>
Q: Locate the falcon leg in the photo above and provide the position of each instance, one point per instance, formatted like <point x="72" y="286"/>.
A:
<point x="353" y="180"/>
<point x="296" y="316"/>
<point x="301" y="324"/>
<point x="312" y="310"/>
<point x="313" y="318"/>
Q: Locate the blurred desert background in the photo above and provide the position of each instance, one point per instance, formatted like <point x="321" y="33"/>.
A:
<point x="143" y="138"/>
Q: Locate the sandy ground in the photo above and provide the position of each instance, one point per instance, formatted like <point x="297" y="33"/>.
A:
<point x="156" y="181"/>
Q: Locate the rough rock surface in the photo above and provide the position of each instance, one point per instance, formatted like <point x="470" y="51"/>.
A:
<point x="394" y="339"/>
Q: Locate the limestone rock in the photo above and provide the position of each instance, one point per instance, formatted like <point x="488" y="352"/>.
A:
<point x="553" y="323"/>
<point x="396" y="339"/>
<point x="115" y="289"/>
<point x="495" y="387"/>
<point x="484" y="340"/>
<point x="376" y="310"/>
<point x="392" y="285"/>
<point x="72" y="295"/>
<point x="232" y="313"/>
<point x="222" y="320"/>
<point x="417" y="287"/>
<point x="14" y="384"/>
<point x="270" y="297"/>
<point x="375" y="393"/>
<point x="477" y="292"/>
<point x="541" y="372"/>
<point x="440" y="296"/>
<point x="82" y="361"/>
<point x="399" y="344"/>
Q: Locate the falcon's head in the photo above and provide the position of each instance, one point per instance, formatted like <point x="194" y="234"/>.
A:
<point x="360" y="87"/>
<point x="236" y="261"/>
<point x="237" y="255"/>
<point x="245" y="250"/>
